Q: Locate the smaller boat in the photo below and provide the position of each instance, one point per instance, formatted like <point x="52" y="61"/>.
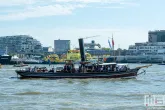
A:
<point x="4" y="57"/>
<point x="20" y="65"/>
<point x="163" y="63"/>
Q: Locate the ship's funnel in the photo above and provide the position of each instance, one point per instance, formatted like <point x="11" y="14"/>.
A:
<point x="82" y="51"/>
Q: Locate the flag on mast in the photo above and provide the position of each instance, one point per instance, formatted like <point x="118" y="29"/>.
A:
<point x="113" y="43"/>
<point x="109" y="44"/>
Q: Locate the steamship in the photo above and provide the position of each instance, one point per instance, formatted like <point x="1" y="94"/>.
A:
<point x="84" y="70"/>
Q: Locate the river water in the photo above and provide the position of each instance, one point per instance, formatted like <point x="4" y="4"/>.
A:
<point x="79" y="94"/>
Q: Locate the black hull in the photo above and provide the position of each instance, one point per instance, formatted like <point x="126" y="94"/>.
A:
<point x="161" y="64"/>
<point x="5" y="60"/>
<point x="53" y="62"/>
<point x="77" y="75"/>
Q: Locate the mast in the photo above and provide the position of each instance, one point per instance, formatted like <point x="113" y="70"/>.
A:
<point x="82" y="51"/>
<point x="119" y="49"/>
<point x="113" y="47"/>
<point x="6" y="50"/>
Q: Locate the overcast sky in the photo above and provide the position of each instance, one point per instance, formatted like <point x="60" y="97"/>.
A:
<point x="47" y="20"/>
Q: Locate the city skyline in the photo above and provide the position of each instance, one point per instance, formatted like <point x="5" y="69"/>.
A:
<point x="128" y="20"/>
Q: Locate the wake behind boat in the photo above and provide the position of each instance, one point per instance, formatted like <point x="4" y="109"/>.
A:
<point x="20" y="65"/>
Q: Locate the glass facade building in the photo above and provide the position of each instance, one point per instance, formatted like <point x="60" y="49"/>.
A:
<point x="61" y="46"/>
<point x="20" y="44"/>
<point x="156" y="36"/>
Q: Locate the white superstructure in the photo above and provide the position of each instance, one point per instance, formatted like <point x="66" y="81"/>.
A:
<point x="154" y="46"/>
<point x="157" y="48"/>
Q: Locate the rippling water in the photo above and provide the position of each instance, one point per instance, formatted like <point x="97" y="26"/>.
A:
<point x="79" y="94"/>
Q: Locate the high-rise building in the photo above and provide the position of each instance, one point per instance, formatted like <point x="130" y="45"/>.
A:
<point x="61" y="46"/>
<point x="23" y="44"/>
<point x="156" y="36"/>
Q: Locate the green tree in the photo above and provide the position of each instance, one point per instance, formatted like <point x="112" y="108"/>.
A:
<point x="107" y="49"/>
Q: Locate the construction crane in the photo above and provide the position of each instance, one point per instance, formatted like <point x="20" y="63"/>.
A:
<point x="92" y="44"/>
<point x="91" y="36"/>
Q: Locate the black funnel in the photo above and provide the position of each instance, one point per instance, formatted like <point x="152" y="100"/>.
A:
<point x="82" y="51"/>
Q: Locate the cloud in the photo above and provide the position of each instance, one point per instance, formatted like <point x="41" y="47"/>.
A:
<point x="16" y="2"/>
<point x="111" y="7"/>
<point x="128" y="2"/>
<point x="40" y="11"/>
<point x="23" y="9"/>
<point x="30" y="2"/>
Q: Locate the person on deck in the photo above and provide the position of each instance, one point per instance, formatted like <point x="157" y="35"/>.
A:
<point x="93" y="68"/>
<point x="68" y="68"/>
<point x="65" y="68"/>
<point x="109" y="68"/>
<point x="101" y="69"/>
<point x="79" y="70"/>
